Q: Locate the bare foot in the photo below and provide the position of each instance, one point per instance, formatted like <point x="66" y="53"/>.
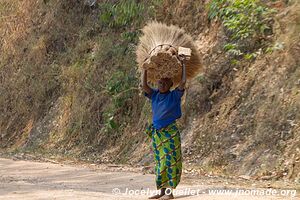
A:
<point x="166" y="197"/>
<point x="157" y="196"/>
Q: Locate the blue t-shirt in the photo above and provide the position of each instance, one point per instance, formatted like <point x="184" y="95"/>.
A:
<point x="166" y="107"/>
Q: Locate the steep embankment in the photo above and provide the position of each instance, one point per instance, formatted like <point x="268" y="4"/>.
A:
<point x="253" y="125"/>
<point x="68" y="86"/>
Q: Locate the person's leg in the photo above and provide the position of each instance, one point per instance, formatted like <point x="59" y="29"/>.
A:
<point x="167" y="153"/>
<point x="173" y="161"/>
<point x="156" y="140"/>
<point x="160" y="194"/>
<point x="168" y="194"/>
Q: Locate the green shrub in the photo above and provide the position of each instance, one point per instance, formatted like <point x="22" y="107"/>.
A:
<point x="110" y="123"/>
<point x="121" y="14"/>
<point x="243" y="20"/>
<point x="119" y="86"/>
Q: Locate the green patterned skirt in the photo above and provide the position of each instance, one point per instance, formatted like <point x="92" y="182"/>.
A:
<point x="166" y="146"/>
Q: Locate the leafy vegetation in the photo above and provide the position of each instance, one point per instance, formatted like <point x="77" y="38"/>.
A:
<point x="244" y="21"/>
<point x="122" y="20"/>
<point x="120" y="87"/>
<point x="122" y="14"/>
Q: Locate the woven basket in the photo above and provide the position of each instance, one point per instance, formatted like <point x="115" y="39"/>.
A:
<point x="157" y="52"/>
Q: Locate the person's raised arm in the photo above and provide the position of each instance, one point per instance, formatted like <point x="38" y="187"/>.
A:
<point x="183" y="78"/>
<point x="146" y="87"/>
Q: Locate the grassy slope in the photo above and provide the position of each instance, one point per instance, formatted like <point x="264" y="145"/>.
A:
<point x="69" y="86"/>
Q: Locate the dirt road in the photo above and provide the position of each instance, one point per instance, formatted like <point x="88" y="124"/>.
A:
<point x="43" y="180"/>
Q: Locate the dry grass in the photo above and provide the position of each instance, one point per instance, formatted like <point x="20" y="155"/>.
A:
<point x="155" y="34"/>
<point x="15" y="23"/>
<point x="56" y="49"/>
<point x="67" y="55"/>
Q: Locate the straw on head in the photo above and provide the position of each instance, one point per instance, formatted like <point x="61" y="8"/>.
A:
<point x="157" y="50"/>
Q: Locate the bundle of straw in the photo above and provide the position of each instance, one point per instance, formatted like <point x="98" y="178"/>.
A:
<point x="157" y="52"/>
